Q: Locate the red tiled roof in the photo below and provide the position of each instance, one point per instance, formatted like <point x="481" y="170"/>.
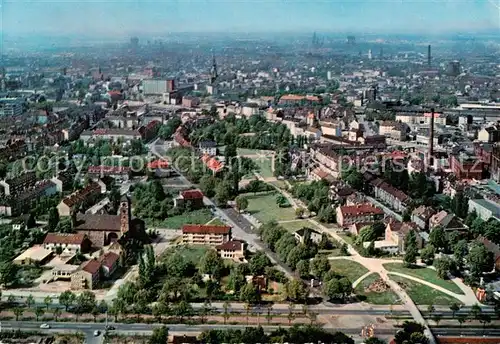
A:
<point x="212" y="163"/>
<point x="192" y="194"/>
<point x="160" y="163"/>
<point x="81" y="195"/>
<point x="207" y="229"/>
<point x="109" y="169"/>
<point x="360" y="209"/>
<point x="61" y="238"/>
<point x="92" y="266"/>
<point x="233" y="245"/>
<point x="109" y="259"/>
<point x="400" y="195"/>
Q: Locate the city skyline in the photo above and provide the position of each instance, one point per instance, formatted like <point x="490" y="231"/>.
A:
<point x="111" y="18"/>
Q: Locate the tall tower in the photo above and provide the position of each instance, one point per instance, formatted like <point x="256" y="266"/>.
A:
<point x="369" y="54"/>
<point x="429" y="56"/>
<point x="213" y="71"/>
<point x="125" y="214"/>
<point x="431" y="142"/>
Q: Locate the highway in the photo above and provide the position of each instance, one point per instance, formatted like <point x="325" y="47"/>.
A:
<point x="139" y="328"/>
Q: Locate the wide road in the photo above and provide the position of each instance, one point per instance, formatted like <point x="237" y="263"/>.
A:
<point x="88" y="328"/>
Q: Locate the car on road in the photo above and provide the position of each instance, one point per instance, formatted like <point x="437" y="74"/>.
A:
<point x="97" y="333"/>
<point x="45" y="326"/>
<point x="110" y="328"/>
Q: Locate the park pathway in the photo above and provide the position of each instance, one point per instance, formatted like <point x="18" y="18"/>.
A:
<point x="358" y="281"/>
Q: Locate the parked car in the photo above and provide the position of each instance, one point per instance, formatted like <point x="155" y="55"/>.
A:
<point x="97" y="333"/>
<point x="45" y="326"/>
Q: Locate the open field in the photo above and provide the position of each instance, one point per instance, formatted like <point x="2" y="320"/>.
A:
<point x="387" y="297"/>
<point x="191" y="254"/>
<point x="264" y="208"/>
<point x="422" y="294"/>
<point x="197" y="217"/>
<point x="348" y="268"/>
<point x="296" y="225"/>
<point x="426" y="274"/>
<point x="216" y="222"/>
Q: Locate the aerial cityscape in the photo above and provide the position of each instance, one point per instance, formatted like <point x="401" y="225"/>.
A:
<point x="250" y="172"/>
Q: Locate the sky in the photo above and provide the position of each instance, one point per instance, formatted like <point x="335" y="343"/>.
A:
<point x="108" y="18"/>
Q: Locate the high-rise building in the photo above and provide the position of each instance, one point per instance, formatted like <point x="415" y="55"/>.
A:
<point x="134" y="43"/>
<point x="213" y="71"/>
<point x="154" y="86"/>
<point x="429" y="55"/>
<point x="329" y="75"/>
<point x="351" y="40"/>
<point x="453" y="68"/>
<point x="369" y="54"/>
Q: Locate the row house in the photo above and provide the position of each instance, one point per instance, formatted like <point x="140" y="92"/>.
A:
<point x="205" y="235"/>
<point x="83" y="197"/>
<point x="420" y="118"/>
<point x="328" y="160"/>
<point x="421" y="216"/>
<point x="14" y="150"/>
<point x="347" y="215"/>
<point x="67" y="243"/>
<point x="125" y="135"/>
<point x="117" y="172"/>
<point x="16" y="185"/>
<point x="390" y="195"/>
<point x="150" y="130"/>
<point x="20" y="203"/>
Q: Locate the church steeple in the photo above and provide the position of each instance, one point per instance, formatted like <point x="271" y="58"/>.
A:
<point x="213" y="71"/>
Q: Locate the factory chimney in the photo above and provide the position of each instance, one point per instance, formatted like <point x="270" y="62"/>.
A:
<point x="431" y="142"/>
<point x="429" y="55"/>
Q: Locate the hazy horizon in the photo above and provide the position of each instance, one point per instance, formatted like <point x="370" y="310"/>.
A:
<point x="113" y="19"/>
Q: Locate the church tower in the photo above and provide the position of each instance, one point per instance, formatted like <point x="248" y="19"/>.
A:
<point x="213" y="71"/>
<point x="125" y="214"/>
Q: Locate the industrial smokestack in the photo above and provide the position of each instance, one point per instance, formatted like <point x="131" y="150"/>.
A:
<point x="431" y="141"/>
<point x="429" y="55"/>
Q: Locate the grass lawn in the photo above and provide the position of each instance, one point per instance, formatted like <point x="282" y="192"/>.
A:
<point x="264" y="167"/>
<point x="196" y="217"/>
<point x="348" y="238"/>
<point x="247" y="151"/>
<point x="191" y="253"/>
<point x="348" y="268"/>
<point x="387" y="297"/>
<point x="296" y="225"/>
<point x="424" y="295"/>
<point x="264" y="208"/>
<point x="216" y="222"/>
<point x="425" y="274"/>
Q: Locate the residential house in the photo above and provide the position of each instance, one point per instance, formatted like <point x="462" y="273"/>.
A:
<point x="208" y="147"/>
<point x="192" y="197"/>
<point x="388" y="194"/>
<point x="355" y="198"/>
<point x="84" y="197"/>
<point x="396" y="232"/>
<point x="493" y="248"/>
<point x="347" y="215"/>
<point x="87" y="276"/>
<point x="489" y="134"/>
<point x="212" y="163"/>
<point x="109" y="263"/>
<point x="385" y="127"/>
<point x="421" y="216"/>
<point x="302" y="233"/>
<point x="448" y="221"/>
<point x="206" y="234"/>
<point x="67" y="243"/>
<point x="233" y="249"/>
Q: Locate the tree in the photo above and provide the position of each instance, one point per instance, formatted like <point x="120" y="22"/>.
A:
<point x="18" y="312"/>
<point x="475" y="311"/>
<point x="374" y="340"/>
<point x="207" y="185"/>
<point x="303" y="268"/>
<point x="8" y="273"/>
<point x="95" y="312"/>
<point x="313" y="316"/>
<point x="479" y="259"/>
<point x="427" y="254"/>
<point x="249" y="294"/>
<point x="212" y="264"/>
<point x="299" y="212"/>
<point x="437" y="318"/>
<point x="326" y="214"/>
<point x="56" y="313"/>
<point x="86" y="301"/>
<point x="47" y="301"/>
<point x="344" y="250"/>
<point x="291" y="314"/>
<point x="258" y="263"/>
<point x="484" y="319"/>
<point x="206" y="309"/>
<point x="159" y="336"/>
<point x="455" y="307"/>
<point x="39" y="312"/>
<point x="30" y="300"/>
<point x="460" y="250"/>
<point x="461" y="318"/>
<point x="223" y="193"/>
<point x="226" y="306"/>
<point x="236" y="280"/>
<point x="241" y="203"/>
<point x="53" y="219"/>
<point x="182" y="309"/>
<point x="443" y="266"/>
<point x="295" y="291"/>
<point x="437" y="238"/>
<point x="411" y="250"/>
<point x="431" y="309"/>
